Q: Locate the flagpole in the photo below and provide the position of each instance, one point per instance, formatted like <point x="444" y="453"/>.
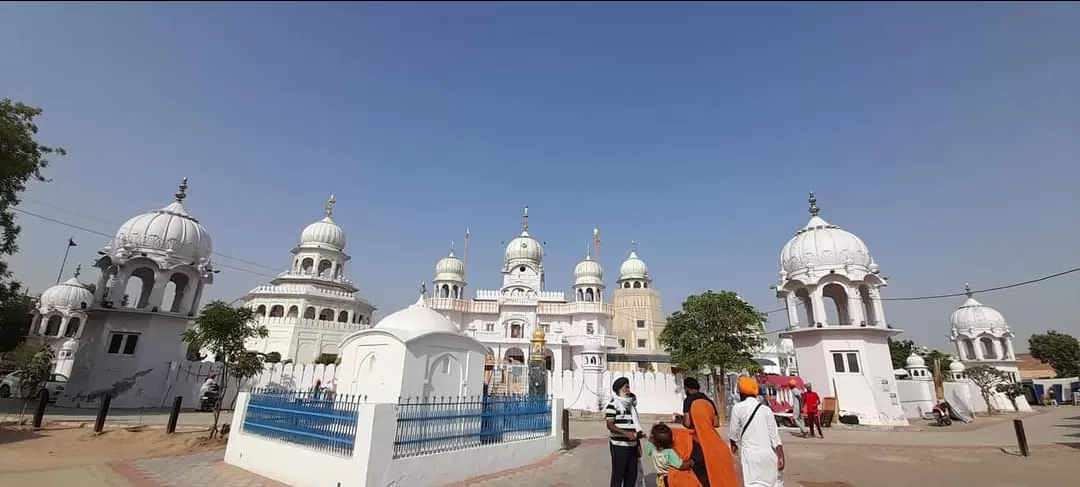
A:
<point x="67" y="249"/>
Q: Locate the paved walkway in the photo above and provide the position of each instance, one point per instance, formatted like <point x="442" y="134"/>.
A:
<point x="903" y="459"/>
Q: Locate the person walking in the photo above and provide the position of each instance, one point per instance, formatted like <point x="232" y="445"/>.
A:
<point x="812" y="406"/>
<point x="712" y="461"/>
<point x="756" y="439"/>
<point x="624" y="430"/>
<point x="797" y="409"/>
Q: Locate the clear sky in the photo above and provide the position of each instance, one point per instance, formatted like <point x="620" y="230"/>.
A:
<point x="945" y="135"/>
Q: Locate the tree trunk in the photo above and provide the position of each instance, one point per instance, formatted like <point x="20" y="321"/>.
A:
<point x="989" y="406"/>
<point x="221" y="397"/>
<point x="721" y="393"/>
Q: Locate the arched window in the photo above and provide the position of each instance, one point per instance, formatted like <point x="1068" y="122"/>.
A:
<point x="72" y="328"/>
<point x="637" y="284"/>
<point x="343" y="317"/>
<point x="324" y="268"/>
<point x="277" y="311"/>
<point x="589" y="294"/>
<point x="294" y="311"/>
<point x="326" y="314"/>
<point x="309" y="313"/>
<point x="988" y="348"/>
<point x="626" y="285"/>
<point x="307" y="266"/>
<point x="454" y="292"/>
<point x="52" y="328"/>
<point x="515" y="330"/>
<point x="175" y="290"/>
<point x="969" y="349"/>
<point x="444" y="291"/>
<point x="261" y="310"/>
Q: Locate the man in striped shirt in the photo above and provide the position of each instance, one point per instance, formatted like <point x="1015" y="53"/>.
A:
<point x="624" y="430"/>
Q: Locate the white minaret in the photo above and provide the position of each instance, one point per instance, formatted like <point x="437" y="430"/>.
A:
<point x="449" y="276"/>
<point x="588" y="280"/>
<point x="60" y="315"/>
<point x="633" y="273"/>
<point x="828" y="276"/>
<point x="524" y="259"/>
<point x="983" y="337"/>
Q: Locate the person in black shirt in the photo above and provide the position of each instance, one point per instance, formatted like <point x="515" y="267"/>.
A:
<point x="693" y="393"/>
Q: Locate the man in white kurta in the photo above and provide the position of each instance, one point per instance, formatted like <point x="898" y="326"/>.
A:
<point x="754" y="437"/>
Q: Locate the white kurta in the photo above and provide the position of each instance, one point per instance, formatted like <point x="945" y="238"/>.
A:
<point x="757" y="447"/>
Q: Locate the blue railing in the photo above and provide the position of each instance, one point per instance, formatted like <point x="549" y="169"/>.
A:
<point x="433" y="425"/>
<point x="307" y="418"/>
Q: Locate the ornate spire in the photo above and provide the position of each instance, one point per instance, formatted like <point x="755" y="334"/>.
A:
<point x="967" y="290"/>
<point x="588" y="254"/>
<point x="525" y="220"/>
<point x="452" y="249"/>
<point x="814" y="210"/>
<point x="633" y="246"/>
<point x="330" y="206"/>
<point x="78" y="270"/>
<point x="423" y="289"/>
<point x="181" y="191"/>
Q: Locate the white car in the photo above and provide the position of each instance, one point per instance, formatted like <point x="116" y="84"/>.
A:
<point x="11" y="385"/>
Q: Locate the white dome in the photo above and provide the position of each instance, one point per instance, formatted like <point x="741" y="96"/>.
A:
<point x="68" y="294"/>
<point x="914" y="360"/>
<point x="324" y="233"/>
<point x="973" y="317"/>
<point x="450" y="268"/>
<point x="823" y="245"/>
<point x="633" y="267"/>
<point x="588" y="271"/>
<point x="171" y="230"/>
<point x="524" y="249"/>
<point x="417" y="319"/>
<point x="956" y="366"/>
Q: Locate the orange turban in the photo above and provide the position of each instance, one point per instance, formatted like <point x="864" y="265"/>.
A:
<point x="748" y="386"/>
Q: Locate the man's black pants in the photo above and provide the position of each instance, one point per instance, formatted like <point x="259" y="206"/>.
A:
<point x="624" y="466"/>
<point x="698" y="456"/>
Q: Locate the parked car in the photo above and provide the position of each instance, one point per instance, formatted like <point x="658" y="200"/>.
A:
<point x="11" y="385"/>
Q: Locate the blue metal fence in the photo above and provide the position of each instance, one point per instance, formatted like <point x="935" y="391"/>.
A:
<point x="434" y="425"/>
<point x="307" y="418"/>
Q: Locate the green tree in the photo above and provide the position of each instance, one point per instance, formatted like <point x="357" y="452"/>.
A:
<point x="1060" y="350"/>
<point x="717" y="333"/>
<point x="986" y="378"/>
<point x="15" y="318"/>
<point x="899" y="351"/>
<point x="944" y="360"/>
<point x="1012" y="390"/>
<point x="273" y="358"/>
<point x="222" y="330"/>
<point x="326" y="359"/>
<point x="21" y="159"/>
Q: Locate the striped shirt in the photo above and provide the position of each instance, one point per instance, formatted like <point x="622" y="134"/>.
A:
<point x="624" y="420"/>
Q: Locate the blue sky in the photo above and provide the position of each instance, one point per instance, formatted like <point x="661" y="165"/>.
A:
<point x="945" y="135"/>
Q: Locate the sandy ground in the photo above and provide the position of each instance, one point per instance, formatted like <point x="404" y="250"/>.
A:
<point x="65" y="445"/>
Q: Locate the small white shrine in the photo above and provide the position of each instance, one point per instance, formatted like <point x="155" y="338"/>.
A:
<point x="841" y="349"/>
<point x="983" y="337"/>
<point x="412" y="353"/>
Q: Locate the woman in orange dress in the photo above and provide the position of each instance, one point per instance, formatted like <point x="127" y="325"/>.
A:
<point x="702" y="419"/>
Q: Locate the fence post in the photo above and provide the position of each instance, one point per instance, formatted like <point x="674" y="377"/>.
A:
<point x="43" y="402"/>
<point x="1021" y="437"/>
<point x="174" y="415"/>
<point x="565" y="428"/>
<point x="99" y="423"/>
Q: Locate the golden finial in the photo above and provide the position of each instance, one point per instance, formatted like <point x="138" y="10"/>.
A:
<point x="181" y="191"/>
<point x="967" y="290"/>
<point x="814" y="210"/>
<point x="330" y="206"/>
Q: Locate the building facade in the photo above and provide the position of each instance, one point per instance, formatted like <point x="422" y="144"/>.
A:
<point x="153" y="274"/>
<point x="504" y="319"/>
<point x="840" y="347"/>
<point x="639" y="319"/>
<point x="311" y="307"/>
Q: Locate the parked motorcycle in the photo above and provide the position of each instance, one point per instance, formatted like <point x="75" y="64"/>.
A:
<point x="943" y="414"/>
<point x="209" y="397"/>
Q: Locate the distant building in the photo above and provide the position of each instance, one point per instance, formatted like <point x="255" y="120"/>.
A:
<point x="311" y="307"/>
<point x="1032" y="368"/>
<point x="982" y="337"/>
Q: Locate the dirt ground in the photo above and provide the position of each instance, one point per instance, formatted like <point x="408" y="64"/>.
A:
<point x="66" y="445"/>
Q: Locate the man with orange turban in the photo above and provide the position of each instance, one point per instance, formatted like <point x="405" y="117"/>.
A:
<point x="754" y="437"/>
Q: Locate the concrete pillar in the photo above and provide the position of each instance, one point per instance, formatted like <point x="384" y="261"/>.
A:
<point x="977" y="345"/>
<point x="855" y="311"/>
<point x="1009" y="353"/>
<point x="879" y="310"/>
<point x="792" y="310"/>
<point x="119" y="287"/>
<point x="818" y="301"/>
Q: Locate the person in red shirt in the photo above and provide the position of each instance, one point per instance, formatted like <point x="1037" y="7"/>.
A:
<point x="812" y="410"/>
